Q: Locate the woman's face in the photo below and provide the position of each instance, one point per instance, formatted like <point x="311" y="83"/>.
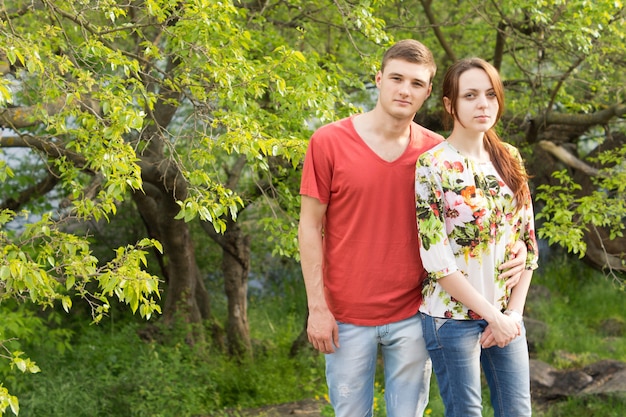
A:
<point x="477" y="105"/>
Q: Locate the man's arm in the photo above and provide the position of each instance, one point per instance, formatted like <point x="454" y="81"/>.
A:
<point x="513" y="268"/>
<point x="322" y="328"/>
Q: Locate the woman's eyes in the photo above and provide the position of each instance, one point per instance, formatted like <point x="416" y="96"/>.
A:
<point x="491" y="94"/>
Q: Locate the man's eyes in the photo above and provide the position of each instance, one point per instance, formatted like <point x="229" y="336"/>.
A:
<point x="414" y="84"/>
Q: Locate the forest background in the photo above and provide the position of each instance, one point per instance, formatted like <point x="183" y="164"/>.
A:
<point x="150" y="154"/>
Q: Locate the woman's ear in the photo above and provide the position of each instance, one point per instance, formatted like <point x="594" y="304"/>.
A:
<point x="447" y="105"/>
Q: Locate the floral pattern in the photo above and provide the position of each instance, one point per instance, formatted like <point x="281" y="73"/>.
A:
<point x="467" y="222"/>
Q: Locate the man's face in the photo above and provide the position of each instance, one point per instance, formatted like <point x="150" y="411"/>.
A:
<point x="403" y="87"/>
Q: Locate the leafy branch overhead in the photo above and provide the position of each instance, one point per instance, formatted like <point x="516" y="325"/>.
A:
<point x="150" y="105"/>
<point x="142" y="139"/>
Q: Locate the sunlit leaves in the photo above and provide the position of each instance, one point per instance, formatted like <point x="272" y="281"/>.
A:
<point x="7" y="400"/>
<point x="24" y="364"/>
<point x="48" y="265"/>
<point x="567" y="216"/>
<point x="210" y="206"/>
<point x="242" y="89"/>
<point x="5" y="171"/>
<point x="125" y="277"/>
<point x="6" y="96"/>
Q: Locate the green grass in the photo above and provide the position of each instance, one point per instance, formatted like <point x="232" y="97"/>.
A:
<point x="580" y="303"/>
<point x="109" y="371"/>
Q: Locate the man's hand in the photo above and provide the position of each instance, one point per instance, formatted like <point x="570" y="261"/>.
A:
<point x="322" y="330"/>
<point x="513" y="268"/>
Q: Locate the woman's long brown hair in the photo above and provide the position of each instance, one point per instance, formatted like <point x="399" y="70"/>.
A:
<point x="510" y="168"/>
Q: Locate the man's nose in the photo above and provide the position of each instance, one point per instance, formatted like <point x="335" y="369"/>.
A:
<point x="405" y="88"/>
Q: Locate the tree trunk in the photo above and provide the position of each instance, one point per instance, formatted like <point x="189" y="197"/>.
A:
<point x="235" y="267"/>
<point x="302" y="341"/>
<point x="186" y="298"/>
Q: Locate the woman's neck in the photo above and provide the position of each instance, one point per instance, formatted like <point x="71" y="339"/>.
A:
<point x="469" y="144"/>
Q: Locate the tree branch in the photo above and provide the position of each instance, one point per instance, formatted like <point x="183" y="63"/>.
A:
<point x="438" y="33"/>
<point x="48" y="147"/>
<point x="567" y="158"/>
<point x="561" y="81"/>
<point x="39" y="189"/>
<point x="21" y="117"/>
<point x="499" y="48"/>
<point x="591" y="119"/>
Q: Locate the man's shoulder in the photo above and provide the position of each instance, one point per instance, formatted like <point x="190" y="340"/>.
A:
<point x="424" y="139"/>
<point x="429" y="134"/>
<point x="333" y="127"/>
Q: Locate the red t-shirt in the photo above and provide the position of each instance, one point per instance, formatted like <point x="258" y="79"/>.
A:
<point x="371" y="266"/>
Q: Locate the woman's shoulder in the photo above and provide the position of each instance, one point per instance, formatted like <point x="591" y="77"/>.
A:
<point x="513" y="151"/>
<point x="511" y="148"/>
<point x="441" y="151"/>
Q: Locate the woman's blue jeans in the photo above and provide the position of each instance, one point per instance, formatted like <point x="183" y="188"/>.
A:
<point x="351" y="370"/>
<point x="457" y="356"/>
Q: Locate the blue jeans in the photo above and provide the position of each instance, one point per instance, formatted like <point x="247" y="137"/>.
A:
<point x="457" y="356"/>
<point x="350" y="371"/>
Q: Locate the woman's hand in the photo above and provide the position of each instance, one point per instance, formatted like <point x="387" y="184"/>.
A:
<point x="502" y="333"/>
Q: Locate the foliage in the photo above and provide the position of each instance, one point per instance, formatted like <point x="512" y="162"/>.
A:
<point x="579" y="301"/>
<point x="568" y="215"/>
<point x="132" y="369"/>
<point x="562" y="65"/>
<point x="125" y="372"/>
<point x="114" y="100"/>
<point x="609" y="406"/>
<point x="96" y="89"/>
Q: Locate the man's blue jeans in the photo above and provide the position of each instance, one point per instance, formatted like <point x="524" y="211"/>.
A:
<point x="350" y="371"/>
<point x="457" y="356"/>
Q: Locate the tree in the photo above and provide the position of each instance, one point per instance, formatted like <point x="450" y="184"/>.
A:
<point x="193" y="109"/>
<point x="199" y="111"/>
<point x="562" y="63"/>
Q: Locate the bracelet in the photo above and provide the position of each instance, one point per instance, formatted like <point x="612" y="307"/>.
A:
<point x="515" y="314"/>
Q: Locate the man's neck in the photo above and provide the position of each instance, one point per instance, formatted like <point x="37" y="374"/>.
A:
<point x="385" y="126"/>
<point x="387" y="140"/>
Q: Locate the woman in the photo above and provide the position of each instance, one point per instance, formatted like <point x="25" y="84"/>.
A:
<point x="473" y="203"/>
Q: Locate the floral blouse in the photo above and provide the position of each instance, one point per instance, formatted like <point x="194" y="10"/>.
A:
<point x="467" y="222"/>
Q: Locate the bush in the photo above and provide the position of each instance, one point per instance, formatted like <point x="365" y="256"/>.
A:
<point x="110" y="370"/>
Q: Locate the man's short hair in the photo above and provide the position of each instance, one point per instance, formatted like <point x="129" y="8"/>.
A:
<point x="412" y="51"/>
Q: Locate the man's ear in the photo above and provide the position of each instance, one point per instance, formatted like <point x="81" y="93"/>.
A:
<point x="379" y="77"/>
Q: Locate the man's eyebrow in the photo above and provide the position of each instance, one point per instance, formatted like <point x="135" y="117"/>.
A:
<point x="397" y="74"/>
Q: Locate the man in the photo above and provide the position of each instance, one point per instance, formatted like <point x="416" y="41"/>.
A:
<point x="358" y="242"/>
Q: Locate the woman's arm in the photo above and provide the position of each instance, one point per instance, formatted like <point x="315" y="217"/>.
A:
<point x="503" y="328"/>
